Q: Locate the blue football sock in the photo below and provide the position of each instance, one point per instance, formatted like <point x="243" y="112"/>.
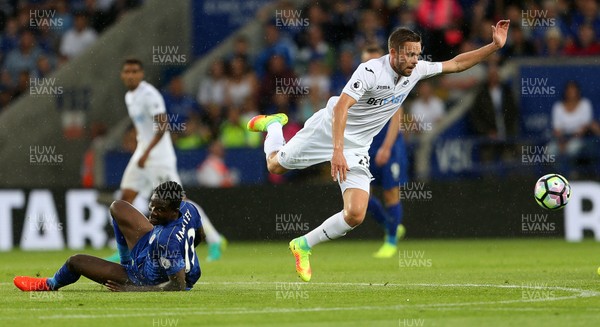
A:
<point x="377" y="210"/>
<point x="394" y="218"/>
<point x="62" y="277"/>
<point x="124" y="252"/>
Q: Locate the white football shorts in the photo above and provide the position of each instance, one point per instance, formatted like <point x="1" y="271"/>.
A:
<point x="144" y="180"/>
<point x="313" y="145"/>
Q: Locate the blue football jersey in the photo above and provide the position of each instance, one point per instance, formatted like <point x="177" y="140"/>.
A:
<point x="170" y="248"/>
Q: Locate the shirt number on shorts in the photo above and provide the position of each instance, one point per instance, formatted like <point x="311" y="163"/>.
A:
<point x="364" y="161"/>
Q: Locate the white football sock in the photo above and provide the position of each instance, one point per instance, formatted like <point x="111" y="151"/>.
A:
<point x="212" y="235"/>
<point x="332" y="228"/>
<point x="274" y="140"/>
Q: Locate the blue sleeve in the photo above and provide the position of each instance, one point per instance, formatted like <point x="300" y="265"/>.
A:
<point x="195" y="221"/>
<point x="173" y="259"/>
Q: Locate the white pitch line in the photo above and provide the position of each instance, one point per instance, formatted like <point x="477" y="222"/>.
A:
<point x="579" y="293"/>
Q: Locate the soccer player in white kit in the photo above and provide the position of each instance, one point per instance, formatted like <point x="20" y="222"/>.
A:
<point x="342" y="132"/>
<point x="154" y="160"/>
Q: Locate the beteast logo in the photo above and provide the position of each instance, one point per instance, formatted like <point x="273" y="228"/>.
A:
<point x="384" y="87"/>
<point x="382" y="101"/>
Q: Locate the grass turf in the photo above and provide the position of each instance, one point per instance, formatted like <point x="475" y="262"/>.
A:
<point x="526" y="282"/>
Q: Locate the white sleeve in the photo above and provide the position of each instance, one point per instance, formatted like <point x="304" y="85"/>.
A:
<point x="427" y="69"/>
<point x="362" y="80"/>
<point x="155" y="103"/>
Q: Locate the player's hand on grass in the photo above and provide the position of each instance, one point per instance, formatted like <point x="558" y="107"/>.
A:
<point x="115" y="287"/>
<point x="382" y="156"/>
<point x="500" y="32"/>
<point x="338" y="166"/>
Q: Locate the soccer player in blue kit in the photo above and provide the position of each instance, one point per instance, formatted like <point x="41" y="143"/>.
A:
<point x="157" y="253"/>
<point x="389" y="171"/>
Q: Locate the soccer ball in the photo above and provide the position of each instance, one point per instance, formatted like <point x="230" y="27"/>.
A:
<point x="552" y="191"/>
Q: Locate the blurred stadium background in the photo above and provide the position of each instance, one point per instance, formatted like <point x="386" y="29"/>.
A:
<point x="65" y="137"/>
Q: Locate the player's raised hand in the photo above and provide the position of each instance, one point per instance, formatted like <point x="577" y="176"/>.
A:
<point x="500" y="32"/>
<point x="339" y="166"/>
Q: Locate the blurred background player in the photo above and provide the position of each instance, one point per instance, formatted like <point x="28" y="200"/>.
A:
<point x="155" y="256"/>
<point x="154" y="159"/>
<point x="389" y="170"/>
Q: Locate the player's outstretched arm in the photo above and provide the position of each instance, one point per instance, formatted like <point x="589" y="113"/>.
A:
<point x="176" y="283"/>
<point x="340" y="115"/>
<point x="469" y="59"/>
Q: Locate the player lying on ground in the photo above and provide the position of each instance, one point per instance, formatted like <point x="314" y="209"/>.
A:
<point x="343" y="131"/>
<point x="157" y="253"/>
<point x="154" y="159"/>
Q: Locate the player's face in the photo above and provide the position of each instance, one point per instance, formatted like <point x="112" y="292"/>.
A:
<point x="405" y="59"/>
<point x="160" y="212"/>
<point x="132" y="75"/>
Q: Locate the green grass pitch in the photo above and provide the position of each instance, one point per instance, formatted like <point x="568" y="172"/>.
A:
<point x="526" y="282"/>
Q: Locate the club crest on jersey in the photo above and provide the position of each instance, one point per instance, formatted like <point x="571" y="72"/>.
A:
<point x="165" y="263"/>
<point x="357" y="85"/>
<point x="405" y="83"/>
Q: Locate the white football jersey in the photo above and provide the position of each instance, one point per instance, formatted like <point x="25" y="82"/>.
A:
<point x="379" y="92"/>
<point x="143" y="104"/>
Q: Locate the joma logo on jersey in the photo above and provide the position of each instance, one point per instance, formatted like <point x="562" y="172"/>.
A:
<point x="380" y="102"/>
<point x="384" y="87"/>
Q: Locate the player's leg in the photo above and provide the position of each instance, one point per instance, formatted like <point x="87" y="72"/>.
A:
<point x="376" y="208"/>
<point x="94" y="268"/>
<point x="355" y="193"/>
<point x="394" y="174"/>
<point x="130" y="222"/>
<point x="123" y="254"/>
<point x="274" y="141"/>
<point x="216" y="242"/>
<point x="336" y="226"/>
<point x="131" y="184"/>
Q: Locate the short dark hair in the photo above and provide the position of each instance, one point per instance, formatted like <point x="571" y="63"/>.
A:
<point x="373" y="48"/>
<point x="170" y="192"/>
<point x="400" y="36"/>
<point x="133" y="61"/>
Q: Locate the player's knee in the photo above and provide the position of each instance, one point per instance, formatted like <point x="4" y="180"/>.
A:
<point x="354" y="215"/>
<point x="115" y="207"/>
<point x="74" y="262"/>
